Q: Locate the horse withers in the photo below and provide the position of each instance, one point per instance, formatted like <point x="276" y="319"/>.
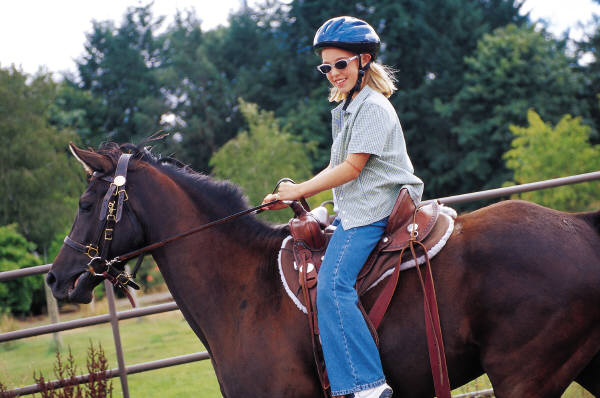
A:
<point x="518" y="287"/>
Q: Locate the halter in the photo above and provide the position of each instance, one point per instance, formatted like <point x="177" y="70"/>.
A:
<point x="110" y="215"/>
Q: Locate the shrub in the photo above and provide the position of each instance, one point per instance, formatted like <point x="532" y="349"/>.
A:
<point x="4" y="392"/>
<point x="18" y="295"/>
<point x="66" y="385"/>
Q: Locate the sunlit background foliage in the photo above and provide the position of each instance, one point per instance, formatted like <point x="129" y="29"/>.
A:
<point x="485" y="99"/>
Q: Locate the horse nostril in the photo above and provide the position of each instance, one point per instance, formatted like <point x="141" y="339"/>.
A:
<point x="50" y="279"/>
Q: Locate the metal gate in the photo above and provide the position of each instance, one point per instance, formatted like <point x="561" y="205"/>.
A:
<point x="114" y="317"/>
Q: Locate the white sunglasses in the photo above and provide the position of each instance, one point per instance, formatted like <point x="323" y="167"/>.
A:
<point x="339" y="64"/>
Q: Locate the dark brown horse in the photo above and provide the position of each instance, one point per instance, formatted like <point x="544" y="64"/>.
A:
<point x="518" y="287"/>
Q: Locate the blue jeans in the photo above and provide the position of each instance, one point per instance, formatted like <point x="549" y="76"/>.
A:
<point x="350" y="353"/>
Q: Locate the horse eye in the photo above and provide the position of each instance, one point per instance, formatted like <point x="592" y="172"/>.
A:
<point x="85" y="206"/>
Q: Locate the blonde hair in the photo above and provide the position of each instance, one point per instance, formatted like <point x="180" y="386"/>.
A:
<point x="379" y="77"/>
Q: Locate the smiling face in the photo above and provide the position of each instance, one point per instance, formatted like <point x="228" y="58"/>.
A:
<point x="343" y="79"/>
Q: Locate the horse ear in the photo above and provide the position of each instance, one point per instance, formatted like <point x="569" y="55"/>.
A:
<point x="91" y="160"/>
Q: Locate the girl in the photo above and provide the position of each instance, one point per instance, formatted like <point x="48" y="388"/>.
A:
<point x="368" y="167"/>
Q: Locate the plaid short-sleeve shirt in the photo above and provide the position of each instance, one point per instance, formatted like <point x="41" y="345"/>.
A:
<point x="370" y="125"/>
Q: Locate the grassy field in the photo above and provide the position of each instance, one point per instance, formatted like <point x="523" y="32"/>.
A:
<point x="144" y="339"/>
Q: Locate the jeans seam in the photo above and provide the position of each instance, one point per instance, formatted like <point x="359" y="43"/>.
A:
<point x="361" y="387"/>
<point x="337" y="305"/>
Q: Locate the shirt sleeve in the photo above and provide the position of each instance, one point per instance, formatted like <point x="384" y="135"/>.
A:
<point x="370" y="130"/>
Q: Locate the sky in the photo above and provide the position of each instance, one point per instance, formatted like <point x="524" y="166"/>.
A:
<point x="51" y="34"/>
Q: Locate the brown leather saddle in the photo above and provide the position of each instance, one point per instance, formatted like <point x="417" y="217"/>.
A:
<point x="311" y="231"/>
<point x="301" y="255"/>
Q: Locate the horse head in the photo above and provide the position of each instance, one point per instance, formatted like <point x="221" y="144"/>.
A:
<point x="104" y="213"/>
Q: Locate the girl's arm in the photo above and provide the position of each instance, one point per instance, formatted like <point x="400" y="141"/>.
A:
<point x="326" y="179"/>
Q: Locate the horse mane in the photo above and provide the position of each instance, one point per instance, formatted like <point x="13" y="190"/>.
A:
<point x="216" y="198"/>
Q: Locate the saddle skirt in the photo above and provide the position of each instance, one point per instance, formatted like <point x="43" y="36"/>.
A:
<point x="431" y="224"/>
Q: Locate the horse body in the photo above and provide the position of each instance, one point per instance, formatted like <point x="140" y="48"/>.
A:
<point x="518" y="303"/>
<point x="517" y="287"/>
<point x="253" y="331"/>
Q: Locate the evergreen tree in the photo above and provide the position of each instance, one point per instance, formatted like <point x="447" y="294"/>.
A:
<point x="119" y="68"/>
<point x="203" y="103"/>
<point x="78" y="110"/>
<point x="427" y="43"/>
<point x="514" y="69"/>
<point x="589" y="49"/>
<point x="39" y="181"/>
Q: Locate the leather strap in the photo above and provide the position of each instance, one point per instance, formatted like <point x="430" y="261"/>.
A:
<point x="435" y="343"/>
<point x="150" y="247"/>
<point x="111" y="213"/>
<point x="382" y="303"/>
<point x="121" y="172"/>
<point x="302" y="260"/>
<point x="78" y="246"/>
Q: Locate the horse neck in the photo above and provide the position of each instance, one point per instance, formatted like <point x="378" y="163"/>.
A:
<point x="214" y="271"/>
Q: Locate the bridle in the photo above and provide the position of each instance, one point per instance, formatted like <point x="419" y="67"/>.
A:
<point x="111" y="213"/>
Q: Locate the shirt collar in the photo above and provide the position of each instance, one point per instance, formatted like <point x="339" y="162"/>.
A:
<point x="355" y="103"/>
<point x="359" y="99"/>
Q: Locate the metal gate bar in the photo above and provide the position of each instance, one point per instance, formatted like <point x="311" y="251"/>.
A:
<point x="476" y="394"/>
<point x="133" y="369"/>
<point x="114" y="322"/>
<point x="532" y="186"/>
<point x="114" y="316"/>
<point x="89" y="321"/>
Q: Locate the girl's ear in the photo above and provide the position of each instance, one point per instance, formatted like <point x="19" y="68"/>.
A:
<point x="90" y="160"/>
<point x="365" y="58"/>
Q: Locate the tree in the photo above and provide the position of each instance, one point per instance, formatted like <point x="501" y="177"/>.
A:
<point x="208" y="71"/>
<point x="265" y="56"/>
<point x="429" y="42"/>
<point x="119" y="67"/>
<point x="203" y="104"/>
<point x="257" y="158"/>
<point x="514" y="69"/>
<point x="17" y="296"/>
<point x="589" y="49"/>
<point x="78" y="110"/>
<point x="540" y="152"/>
<point x="425" y="41"/>
<point x="39" y="181"/>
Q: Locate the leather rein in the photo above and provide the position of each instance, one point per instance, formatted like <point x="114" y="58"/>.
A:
<point x="111" y="213"/>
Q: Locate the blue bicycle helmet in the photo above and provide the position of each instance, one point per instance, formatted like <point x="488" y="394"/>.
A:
<point x="347" y="33"/>
<point x="350" y="34"/>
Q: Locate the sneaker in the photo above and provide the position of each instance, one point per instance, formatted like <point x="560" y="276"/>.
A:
<point x="382" y="391"/>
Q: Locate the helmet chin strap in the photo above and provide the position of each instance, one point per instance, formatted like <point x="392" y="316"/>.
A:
<point x="361" y="73"/>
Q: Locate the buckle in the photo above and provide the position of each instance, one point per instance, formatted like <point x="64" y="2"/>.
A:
<point x="111" y="211"/>
<point x="123" y="278"/>
<point x="91" y="251"/>
<point x="126" y="198"/>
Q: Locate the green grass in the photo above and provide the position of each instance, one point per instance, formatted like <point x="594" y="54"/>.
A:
<point x="144" y="339"/>
<point x="483" y="383"/>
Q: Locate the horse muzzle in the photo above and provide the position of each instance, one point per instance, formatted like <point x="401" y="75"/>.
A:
<point x="77" y="288"/>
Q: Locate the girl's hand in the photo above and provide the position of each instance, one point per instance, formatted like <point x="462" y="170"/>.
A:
<point x="289" y="191"/>
<point x="275" y="206"/>
<point x="286" y="191"/>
